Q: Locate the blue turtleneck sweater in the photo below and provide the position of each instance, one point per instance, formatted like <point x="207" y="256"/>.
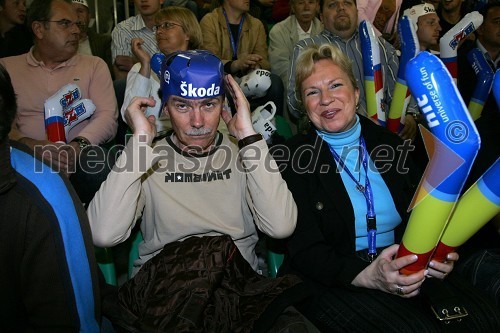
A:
<point x="347" y="145"/>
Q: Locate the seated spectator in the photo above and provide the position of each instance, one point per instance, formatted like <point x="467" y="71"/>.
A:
<point x="342" y="195"/>
<point x="45" y="242"/>
<point x="51" y="65"/>
<point x="450" y="12"/>
<point x="138" y="26"/>
<point x="340" y="19"/>
<point x="426" y="23"/>
<point x="194" y="185"/>
<point x="176" y="29"/>
<point x="383" y="14"/>
<point x="302" y="23"/>
<point x="15" y="37"/>
<point x="239" y="40"/>
<point x="91" y="43"/>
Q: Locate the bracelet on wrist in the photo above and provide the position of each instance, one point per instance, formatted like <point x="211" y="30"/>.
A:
<point x="249" y="140"/>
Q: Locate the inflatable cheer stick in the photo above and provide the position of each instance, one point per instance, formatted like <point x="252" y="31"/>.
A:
<point x="77" y="112"/>
<point x="54" y="122"/>
<point x="484" y="75"/>
<point x="475" y="208"/>
<point x="452" y="145"/>
<point x="374" y="85"/>
<point x="401" y="97"/>
<point x="54" y="111"/>
<point x="496" y="87"/>
<point x="156" y="62"/>
<point x="448" y="44"/>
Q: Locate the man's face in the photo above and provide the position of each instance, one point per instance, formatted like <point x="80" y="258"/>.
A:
<point x="148" y="7"/>
<point x="428" y="30"/>
<point x="194" y="121"/>
<point x="240" y="5"/>
<point x="59" y="36"/>
<point x="82" y="12"/>
<point x="451" y="5"/>
<point x="489" y="32"/>
<point x="305" y="10"/>
<point x="14" y="11"/>
<point x="340" y="17"/>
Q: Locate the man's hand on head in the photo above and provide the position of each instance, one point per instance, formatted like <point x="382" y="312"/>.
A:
<point x="239" y="125"/>
<point x="142" y="127"/>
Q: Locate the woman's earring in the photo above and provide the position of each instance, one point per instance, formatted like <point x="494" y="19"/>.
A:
<point x="357" y="107"/>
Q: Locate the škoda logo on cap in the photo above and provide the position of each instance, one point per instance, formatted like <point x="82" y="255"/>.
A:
<point x="188" y="90"/>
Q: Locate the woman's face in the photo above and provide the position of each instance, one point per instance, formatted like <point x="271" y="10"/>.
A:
<point x="171" y="37"/>
<point x="329" y="97"/>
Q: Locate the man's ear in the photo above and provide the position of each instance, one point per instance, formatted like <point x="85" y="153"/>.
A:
<point x="164" y="111"/>
<point x="38" y="28"/>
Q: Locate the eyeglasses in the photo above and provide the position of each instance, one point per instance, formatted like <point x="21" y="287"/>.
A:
<point x="165" y="26"/>
<point x="65" y="24"/>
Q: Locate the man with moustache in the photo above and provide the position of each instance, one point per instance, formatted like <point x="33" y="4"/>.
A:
<point x="302" y="23"/>
<point x="193" y="187"/>
<point x="39" y="75"/>
<point x="340" y="18"/>
<point x="139" y="26"/>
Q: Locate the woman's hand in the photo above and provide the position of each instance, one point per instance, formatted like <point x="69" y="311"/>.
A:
<point x="383" y="274"/>
<point x="441" y="269"/>
<point x="239" y="125"/>
<point x="142" y="55"/>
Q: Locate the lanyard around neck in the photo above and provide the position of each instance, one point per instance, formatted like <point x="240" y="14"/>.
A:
<point x="371" y="219"/>
<point x="234" y="44"/>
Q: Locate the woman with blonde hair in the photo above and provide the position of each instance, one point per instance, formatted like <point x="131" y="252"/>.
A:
<point x="352" y="181"/>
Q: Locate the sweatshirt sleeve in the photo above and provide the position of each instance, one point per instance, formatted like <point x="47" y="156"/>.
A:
<point x="272" y="204"/>
<point x="119" y="202"/>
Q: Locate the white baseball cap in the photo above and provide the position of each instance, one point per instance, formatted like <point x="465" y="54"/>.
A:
<point x="416" y="11"/>
<point x="81" y="2"/>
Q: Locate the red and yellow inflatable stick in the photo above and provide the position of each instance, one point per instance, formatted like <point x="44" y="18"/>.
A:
<point x="401" y="97"/>
<point x="475" y="208"/>
<point x="374" y="85"/>
<point x="455" y="145"/>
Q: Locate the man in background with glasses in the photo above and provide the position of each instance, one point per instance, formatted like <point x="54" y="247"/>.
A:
<point x="77" y="88"/>
<point x="139" y="26"/>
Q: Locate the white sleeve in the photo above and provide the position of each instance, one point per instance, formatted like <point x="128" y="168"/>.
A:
<point x="120" y="200"/>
